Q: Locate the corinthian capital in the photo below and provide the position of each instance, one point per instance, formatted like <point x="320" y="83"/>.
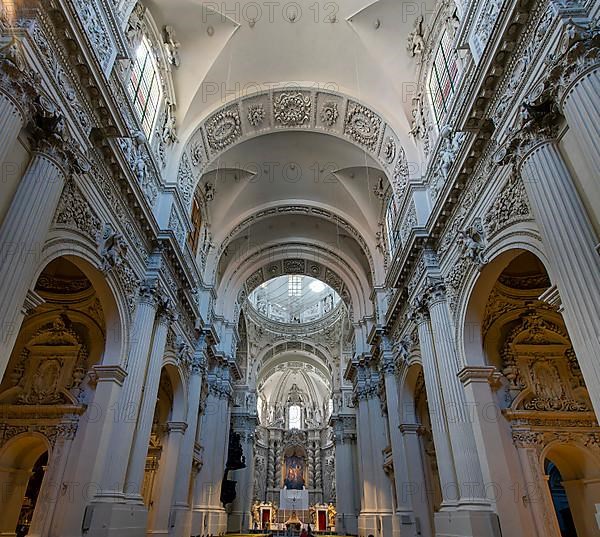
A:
<point x="435" y="292"/>
<point x="578" y="52"/>
<point x="17" y="81"/>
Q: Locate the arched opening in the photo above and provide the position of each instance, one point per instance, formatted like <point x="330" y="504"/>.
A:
<point x="573" y="490"/>
<point x="425" y="492"/>
<point x="560" y="501"/>
<point x="51" y="385"/>
<point x="23" y="462"/>
<point x="537" y="407"/>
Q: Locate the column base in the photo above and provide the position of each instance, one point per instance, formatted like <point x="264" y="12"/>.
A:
<point x="180" y="521"/>
<point x="116" y="520"/>
<point x="346" y="524"/>
<point x="239" y="522"/>
<point x="377" y="524"/>
<point x="209" y="521"/>
<point x="453" y="523"/>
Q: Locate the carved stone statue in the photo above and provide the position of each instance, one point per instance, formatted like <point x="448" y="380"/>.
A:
<point x="169" y="135"/>
<point x="472" y="241"/>
<point x="172" y="45"/>
<point x="416" y="43"/>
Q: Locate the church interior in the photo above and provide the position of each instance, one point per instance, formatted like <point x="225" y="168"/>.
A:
<point x="299" y="268"/>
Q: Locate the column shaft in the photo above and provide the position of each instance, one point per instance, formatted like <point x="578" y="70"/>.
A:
<point x="22" y="236"/>
<point x="127" y="409"/>
<point x="137" y="464"/>
<point x="158" y="517"/>
<point x="439" y="429"/>
<point x="460" y="429"/>
<point x="571" y="249"/>
<point x="11" y="123"/>
<point x="398" y="452"/>
<point x="581" y="107"/>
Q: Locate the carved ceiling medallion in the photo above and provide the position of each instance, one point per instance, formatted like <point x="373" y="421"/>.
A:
<point x="292" y="109"/>
<point x="363" y="126"/>
<point x="224" y="128"/>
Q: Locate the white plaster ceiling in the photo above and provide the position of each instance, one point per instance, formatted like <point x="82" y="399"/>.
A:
<point x="223" y="55"/>
<point x="294" y="168"/>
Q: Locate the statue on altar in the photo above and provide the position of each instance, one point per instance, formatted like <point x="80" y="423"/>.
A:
<point x="294" y="479"/>
<point x="331" y="512"/>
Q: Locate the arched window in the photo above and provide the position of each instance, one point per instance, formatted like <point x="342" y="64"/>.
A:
<point x="391" y="215"/>
<point x="443" y="77"/>
<point x="145" y="86"/>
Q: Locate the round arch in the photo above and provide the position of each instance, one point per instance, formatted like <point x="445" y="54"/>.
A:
<point x="113" y="299"/>
<point x="180" y="403"/>
<point x="337" y="271"/>
<point x="476" y="288"/>
<point x="257" y="114"/>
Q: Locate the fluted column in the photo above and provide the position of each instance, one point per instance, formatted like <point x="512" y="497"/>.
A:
<point x="139" y="451"/>
<point x="466" y="460"/>
<point x="184" y="468"/>
<point x="414" y="490"/>
<point x="127" y="409"/>
<point x="365" y="453"/>
<point x="401" y="477"/>
<point x="11" y="123"/>
<point x="345" y="475"/>
<point x="17" y="87"/>
<point x="209" y="515"/>
<point x="22" y="236"/>
<point x="86" y="474"/>
<point x="158" y="517"/>
<point x="499" y="458"/>
<point x="571" y="248"/>
<point x="579" y="75"/>
<point x="437" y="414"/>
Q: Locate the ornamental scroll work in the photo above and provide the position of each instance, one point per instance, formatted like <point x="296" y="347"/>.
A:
<point x="291" y="108"/>
<point x="51" y="367"/>
<point x="541" y="368"/>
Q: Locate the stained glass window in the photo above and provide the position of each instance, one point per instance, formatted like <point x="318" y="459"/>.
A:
<point x="444" y="75"/>
<point x="144" y="86"/>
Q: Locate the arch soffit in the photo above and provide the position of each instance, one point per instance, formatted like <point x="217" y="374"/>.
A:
<point x="290" y="107"/>
<point x="270" y="358"/>
<point x="367" y="246"/>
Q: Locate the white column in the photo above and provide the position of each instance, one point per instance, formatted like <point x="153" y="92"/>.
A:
<point x="22" y="236"/>
<point x="209" y="516"/>
<point x="499" y="459"/>
<point x="401" y="477"/>
<point x="571" y="248"/>
<point x="139" y="451"/>
<point x="345" y="443"/>
<point x="379" y="443"/>
<point x="415" y="491"/>
<point x="460" y="429"/>
<point x="439" y="428"/>
<point x="126" y="411"/>
<point x="158" y="517"/>
<point x="50" y="491"/>
<point x="181" y="494"/>
<point x="580" y="100"/>
<point x="365" y="453"/>
<point x="85" y="476"/>
<point x="11" y="122"/>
